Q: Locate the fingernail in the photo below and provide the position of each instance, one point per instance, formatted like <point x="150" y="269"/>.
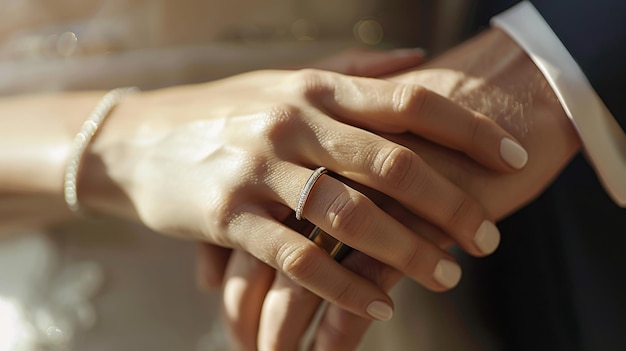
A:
<point x="487" y="237"/>
<point x="380" y="310"/>
<point x="513" y="153"/>
<point x="447" y="273"/>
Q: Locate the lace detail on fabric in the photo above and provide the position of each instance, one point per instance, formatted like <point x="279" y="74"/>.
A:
<point x="44" y="300"/>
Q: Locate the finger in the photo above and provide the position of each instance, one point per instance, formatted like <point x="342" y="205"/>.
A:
<point x="247" y="280"/>
<point x="288" y="308"/>
<point x="342" y="331"/>
<point x="287" y="313"/>
<point x="354" y="219"/>
<point x="402" y="215"/>
<point x="308" y="265"/>
<point x="368" y="63"/>
<point x="391" y="107"/>
<point x="398" y="172"/>
<point x="417" y="224"/>
<point x="211" y="265"/>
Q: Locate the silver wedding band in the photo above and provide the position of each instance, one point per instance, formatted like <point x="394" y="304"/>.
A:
<point x="306" y="190"/>
<point x="335" y="248"/>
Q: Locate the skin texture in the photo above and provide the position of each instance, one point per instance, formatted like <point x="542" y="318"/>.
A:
<point x="223" y="163"/>
<point x="29" y="191"/>
<point x="272" y="146"/>
<point x="490" y="74"/>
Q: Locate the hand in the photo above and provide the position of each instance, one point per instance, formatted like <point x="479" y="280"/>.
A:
<point x="172" y="166"/>
<point x="517" y="96"/>
<point x="212" y="259"/>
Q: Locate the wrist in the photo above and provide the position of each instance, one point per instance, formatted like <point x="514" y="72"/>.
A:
<point x="105" y="177"/>
<point x="492" y="74"/>
<point x="36" y="139"/>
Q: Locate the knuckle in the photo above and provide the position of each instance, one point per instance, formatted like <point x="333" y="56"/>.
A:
<point x="410" y="98"/>
<point x="300" y="264"/>
<point x="396" y="167"/>
<point x="313" y="83"/>
<point x="337" y="145"/>
<point x="347" y="214"/>
<point x="373" y="270"/>
<point x="461" y="211"/>
<point x="220" y="215"/>
<point x="280" y="121"/>
<point x="474" y="128"/>
<point x="344" y="295"/>
<point x="411" y="259"/>
<point x="224" y="208"/>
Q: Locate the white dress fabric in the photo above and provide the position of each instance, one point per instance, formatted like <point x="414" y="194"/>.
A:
<point x="121" y="287"/>
<point x="117" y="287"/>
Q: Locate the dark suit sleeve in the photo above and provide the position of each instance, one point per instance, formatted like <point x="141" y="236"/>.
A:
<point x="594" y="32"/>
<point x="570" y="294"/>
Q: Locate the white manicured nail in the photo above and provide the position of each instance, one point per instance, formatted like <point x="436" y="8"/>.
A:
<point x="380" y="310"/>
<point x="447" y="273"/>
<point x="487" y="237"/>
<point x="513" y="153"/>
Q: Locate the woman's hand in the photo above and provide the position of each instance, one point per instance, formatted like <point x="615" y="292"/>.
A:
<point x="212" y="259"/>
<point x="224" y="162"/>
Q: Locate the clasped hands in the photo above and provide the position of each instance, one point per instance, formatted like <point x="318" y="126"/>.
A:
<point x="264" y="309"/>
<point x="224" y="162"/>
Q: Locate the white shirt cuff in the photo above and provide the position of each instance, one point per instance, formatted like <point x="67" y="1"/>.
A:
<point x="602" y="138"/>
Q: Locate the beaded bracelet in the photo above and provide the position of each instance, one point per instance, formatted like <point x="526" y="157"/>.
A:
<point x="83" y="139"/>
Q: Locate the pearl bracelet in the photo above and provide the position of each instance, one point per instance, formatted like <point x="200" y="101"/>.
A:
<point x="83" y="139"/>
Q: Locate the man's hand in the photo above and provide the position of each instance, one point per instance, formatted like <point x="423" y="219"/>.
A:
<point x="490" y="74"/>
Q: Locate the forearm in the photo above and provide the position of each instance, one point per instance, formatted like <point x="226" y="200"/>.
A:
<point x="35" y="142"/>
<point x="36" y="134"/>
<point x="36" y="138"/>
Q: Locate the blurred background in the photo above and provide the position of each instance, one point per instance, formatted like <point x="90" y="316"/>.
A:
<point x="107" y="285"/>
<point x="70" y="44"/>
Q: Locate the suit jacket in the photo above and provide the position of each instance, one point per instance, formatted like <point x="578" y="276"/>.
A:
<point x="558" y="282"/>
